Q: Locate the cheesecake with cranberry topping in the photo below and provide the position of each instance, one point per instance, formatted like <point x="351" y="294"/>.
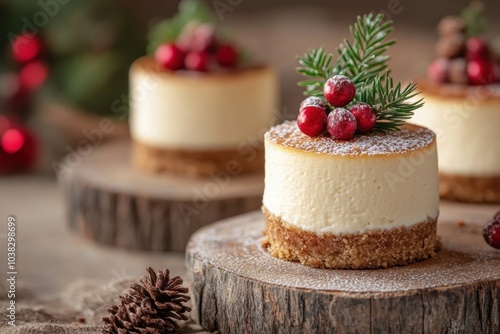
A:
<point x="370" y="202"/>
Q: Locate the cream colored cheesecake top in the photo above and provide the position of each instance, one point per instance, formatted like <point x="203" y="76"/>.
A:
<point x="200" y="111"/>
<point x="410" y="138"/>
<point x="378" y="181"/>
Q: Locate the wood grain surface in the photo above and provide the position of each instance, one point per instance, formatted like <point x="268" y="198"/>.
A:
<point x="456" y="292"/>
<point x="111" y="202"/>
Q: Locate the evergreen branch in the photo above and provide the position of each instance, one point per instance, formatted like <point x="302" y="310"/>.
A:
<point x="475" y="21"/>
<point x="364" y="61"/>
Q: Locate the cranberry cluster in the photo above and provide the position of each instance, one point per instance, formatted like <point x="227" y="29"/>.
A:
<point x="461" y="60"/>
<point x="316" y="115"/>
<point x="197" y="49"/>
<point x="491" y="232"/>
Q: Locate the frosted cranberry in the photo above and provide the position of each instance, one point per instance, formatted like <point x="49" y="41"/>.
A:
<point x="339" y="90"/>
<point x="491" y="233"/>
<point x="341" y="124"/>
<point x="480" y="72"/>
<point x="438" y="70"/>
<point x="197" y="61"/>
<point x="478" y="49"/>
<point x="312" y="120"/>
<point x="315" y="101"/>
<point x="226" y="56"/>
<point x="497" y="216"/>
<point x="365" y="116"/>
<point x="170" y="56"/>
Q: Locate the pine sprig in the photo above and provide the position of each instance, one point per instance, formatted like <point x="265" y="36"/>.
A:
<point x="364" y="61"/>
<point x="168" y="30"/>
<point x="475" y="21"/>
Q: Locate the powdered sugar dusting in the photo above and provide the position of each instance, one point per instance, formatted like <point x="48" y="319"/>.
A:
<point x="234" y="246"/>
<point x="410" y="138"/>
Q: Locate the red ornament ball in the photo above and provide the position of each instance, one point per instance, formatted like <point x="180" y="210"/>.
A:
<point x="491" y="233"/>
<point x="339" y="90"/>
<point x="365" y="117"/>
<point x="480" y="72"/>
<point x="34" y="74"/>
<point x="197" y="61"/>
<point x="478" y="49"/>
<point x="315" y="101"/>
<point x="226" y="56"/>
<point x="26" y="47"/>
<point x="438" y="70"/>
<point x="341" y="124"/>
<point x="312" y="120"/>
<point x="170" y="56"/>
<point x="18" y="146"/>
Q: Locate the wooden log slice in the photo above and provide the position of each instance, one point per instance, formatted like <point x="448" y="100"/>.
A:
<point x="111" y="202"/>
<point x="237" y="287"/>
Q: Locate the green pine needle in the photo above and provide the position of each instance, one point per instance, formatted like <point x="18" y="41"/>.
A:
<point x="475" y="21"/>
<point x="364" y="61"/>
<point x="168" y="30"/>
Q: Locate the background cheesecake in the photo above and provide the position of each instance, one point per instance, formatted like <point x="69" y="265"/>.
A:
<point x="462" y="94"/>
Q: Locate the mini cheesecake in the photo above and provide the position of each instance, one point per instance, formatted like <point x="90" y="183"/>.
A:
<point x="197" y="123"/>
<point x="466" y="120"/>
<point x="369" y="202"/>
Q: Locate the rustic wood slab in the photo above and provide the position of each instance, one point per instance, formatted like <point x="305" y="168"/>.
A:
<point x="111" y="202"/>
<point x="239" y="288"/>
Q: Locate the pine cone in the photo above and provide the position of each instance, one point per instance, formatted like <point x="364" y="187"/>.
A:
<point x="154" y="307"/>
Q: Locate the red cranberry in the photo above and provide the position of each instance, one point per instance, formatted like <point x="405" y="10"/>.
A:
<point x="197" y="61"/>
<point x="491" y="233"/>
<point x="339" y="90"/>
<point x="204" y="39"/>
<point x="315" y="101"/>
<point x="226" y="56"/>
<point x="478" y="49"/>
<point x="26" y="47"/>
<point x="365" y="116"/>
<point x="170" y="56"/>
<point x="312" y="120"/>
<point x="480" y="72"/>
<point x="341" y="124"/>
<point x="438" y="70"/>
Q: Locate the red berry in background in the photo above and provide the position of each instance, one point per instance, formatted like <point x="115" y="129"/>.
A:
<point x="480" y="72"/>
<point x="341" y="124"/>
<point x="18" y="146"/>
<point x="170" y="56"/>
<point x="34" y="74"/>
<point x="438" y="70"/>
<point x="26" y="47"/>
<point x="226" y="56"/>
<point x="478" y="49"/>
<point x="204" y="38"/>
<point x="197" y="61"/>
<point x="315" y="101"/>
<point x="339" y="90"/>
<point x="312" y="120"/>
<point x="491" y="233"/>
<point x="365" y="117"/>
<point x="497" y="72"/>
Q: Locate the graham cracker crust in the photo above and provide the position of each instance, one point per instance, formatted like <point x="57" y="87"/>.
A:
<point x="471" y="189"/>
<point x="369" y="250"/>
<point x="197" y="163"/>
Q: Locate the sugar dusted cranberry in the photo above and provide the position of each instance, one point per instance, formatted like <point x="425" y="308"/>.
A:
<point x="365" y="116"/>
<point x="451" y="25"/>
<point x="341" y="124"/>
<point x="197" y="61"/>
<point x="438" y="70"/>
<point x="457" y="72"/>
<point x="170" y="56"/>
<point x="339" y="90"/>
<point x="226" y="55"/>
<point x="480" y="72"/>
<point x="312" y="120"/>
<point x="315" y="101"/>
<point x="451" y="46"/>
<point x="478" y="49"/>
<point x="491" y="233"/>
